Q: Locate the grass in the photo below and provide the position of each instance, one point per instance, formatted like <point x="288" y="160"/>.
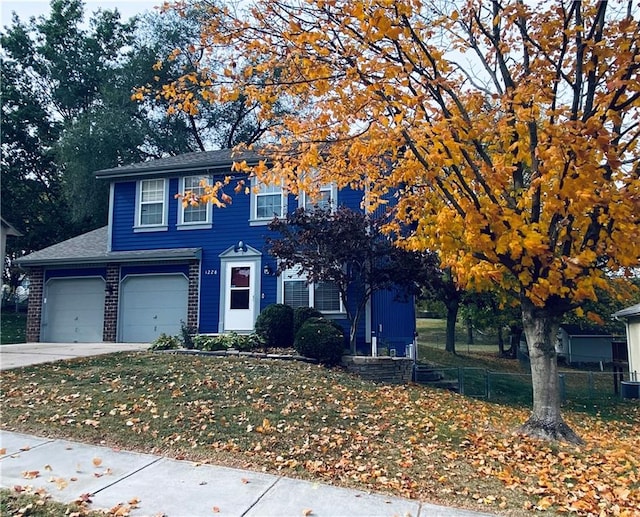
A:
<point x="481" y="370"/>
<point x="13" y="327"/>
<point x="305" y="421"/>
<point x="38" y="505"/>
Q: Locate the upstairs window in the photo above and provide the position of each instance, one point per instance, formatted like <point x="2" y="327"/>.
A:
<point x="325" y="199"/>
<point x="152" y="205"/>
<point x="195" y="215"/>
<point x="267" y="202"/>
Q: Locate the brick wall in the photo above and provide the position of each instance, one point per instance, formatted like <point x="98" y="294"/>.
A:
<point x="34" y="309"/>
<point x="192" y="300"/>
<point x="109" y="331"/>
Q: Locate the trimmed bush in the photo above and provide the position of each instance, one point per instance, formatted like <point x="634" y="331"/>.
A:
<point x="320" y="339"/>
<point x="302" y="314"/>
<point x="275" y="325"/>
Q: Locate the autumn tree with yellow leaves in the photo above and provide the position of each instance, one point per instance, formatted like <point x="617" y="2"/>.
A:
<point x="508" y="132"/>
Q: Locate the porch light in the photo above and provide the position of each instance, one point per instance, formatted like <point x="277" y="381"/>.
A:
<point x="241" y="246"/>
<point x="266" y="270"/>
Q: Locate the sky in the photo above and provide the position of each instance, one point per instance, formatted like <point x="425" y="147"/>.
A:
<point x="25" y="9"/>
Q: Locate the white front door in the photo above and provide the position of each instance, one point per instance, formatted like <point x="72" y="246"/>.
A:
<point x="240" y="289"/>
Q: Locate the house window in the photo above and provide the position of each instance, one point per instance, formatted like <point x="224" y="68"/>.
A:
<point x="152" y="203"/>
<point x="325" y="199"/>
<point x="296" y="292"/>
<point x="267" y="202"/>
<point x="190" y="215"/>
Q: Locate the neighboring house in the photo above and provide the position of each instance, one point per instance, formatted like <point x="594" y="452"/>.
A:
<point x="631" y="317"/>
<point x="6" y="229"/>
<point x="584" y="346"/>
<point x="158" y="264"/>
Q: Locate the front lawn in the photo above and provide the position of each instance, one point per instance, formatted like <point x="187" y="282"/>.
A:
<point x="13" y="327"/>
<point x="303" y="420"/>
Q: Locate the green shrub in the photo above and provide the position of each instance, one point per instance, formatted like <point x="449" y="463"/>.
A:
<point x="275" y="325"/>
<point x="302" y="314"/>
<point x="321" y="339"/>
<point x="209" y="343"/>
<point x="248" y="342"/>
<point x="241" y="342"/>
<point x="164" y="342"/>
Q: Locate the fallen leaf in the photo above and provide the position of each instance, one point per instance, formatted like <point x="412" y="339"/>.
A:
<point x="306" y="512"/>
<point x="48" y="468"/>
<point x="97" y="462"/>
<point x="3" y="451"/>
<point x="61" y="483"/>
<point x="119" y="511"/>
<point x="245" y="481"/>
<point x="84" y="498"/>
<point x="216" y="509"/>
<point x="30" y="474"/>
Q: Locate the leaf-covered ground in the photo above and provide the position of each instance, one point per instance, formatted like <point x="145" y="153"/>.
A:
<point x="303" y="420"/>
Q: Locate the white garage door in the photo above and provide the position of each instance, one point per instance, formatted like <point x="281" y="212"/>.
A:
<point x="151" y="305"/>
<point x="73" y="310"/>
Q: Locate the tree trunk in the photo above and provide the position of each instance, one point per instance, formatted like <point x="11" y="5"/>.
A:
<point x="515" y="333"/>
<point x="540" y="328"/>
<point x="452" y="316"/>
<point x="500" y="342"/>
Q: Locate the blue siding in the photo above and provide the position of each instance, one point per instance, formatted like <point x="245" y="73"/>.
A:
<point x="393" y="320"/>
<point x="76" y="272"/>
<point x="230" y="225"/>
<point x="156" y="269"/>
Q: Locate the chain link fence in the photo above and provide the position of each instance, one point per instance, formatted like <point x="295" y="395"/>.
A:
<point x="576" y="387"/>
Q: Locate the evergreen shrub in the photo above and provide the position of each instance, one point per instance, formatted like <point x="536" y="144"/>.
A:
<point x="275" y="326"/>
<point x="302" y="314"/>
<point x="321" y="339"/>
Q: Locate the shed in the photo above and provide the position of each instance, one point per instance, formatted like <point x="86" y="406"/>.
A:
<point x="579" y="345"/>
<point x="631" y="317"/>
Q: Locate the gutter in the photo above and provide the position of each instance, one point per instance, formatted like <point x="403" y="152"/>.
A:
<point x="115" y="257"/>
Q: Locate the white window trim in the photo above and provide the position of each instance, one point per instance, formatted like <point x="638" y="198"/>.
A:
<point x="138" y="227"/>
<point x="310" y="287"/>
<point x="254" y="220"/>
<point x="333" y="196"/>
<point x="196" y="225"/>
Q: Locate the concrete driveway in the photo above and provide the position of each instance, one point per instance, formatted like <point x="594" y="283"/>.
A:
<point x="25" y="354"/>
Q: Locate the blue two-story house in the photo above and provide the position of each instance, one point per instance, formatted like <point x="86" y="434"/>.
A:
<point x="158" y="263"/>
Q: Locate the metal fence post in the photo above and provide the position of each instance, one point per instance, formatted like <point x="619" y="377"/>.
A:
<point x="488" y="384"/>
<point x="461" y="380"/>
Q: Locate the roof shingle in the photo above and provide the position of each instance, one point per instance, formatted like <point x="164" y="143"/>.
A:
<point x="91" y="248"/>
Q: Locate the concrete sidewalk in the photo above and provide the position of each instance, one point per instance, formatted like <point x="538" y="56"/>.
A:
<point x="25" y="354"/>
<point x="152" y="485"/>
